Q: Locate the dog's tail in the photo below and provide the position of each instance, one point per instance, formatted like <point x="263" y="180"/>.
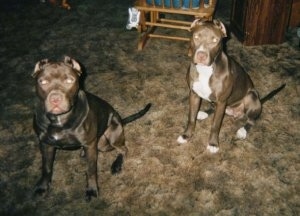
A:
<point x="272" y="94"/>
<point x="136" y="115"/>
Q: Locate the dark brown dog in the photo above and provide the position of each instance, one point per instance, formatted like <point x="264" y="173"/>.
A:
<point x="69" y="118"/>
<point x="217" y="78"/>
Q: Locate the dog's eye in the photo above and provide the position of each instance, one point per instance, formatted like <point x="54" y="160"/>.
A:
<point x="43" y="82"/>
<point x="69" y="80"/>
<point x="215" y="40"/>
<point x="197" y="36"/>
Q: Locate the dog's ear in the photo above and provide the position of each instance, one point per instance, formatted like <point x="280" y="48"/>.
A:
<point x="221" y="26"/>
<point x="195" y="23"/>
<point x="74" y="64"/>
<point x="39" y="66"/>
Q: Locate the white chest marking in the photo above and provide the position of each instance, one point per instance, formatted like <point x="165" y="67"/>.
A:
<point x="201" y="86"/>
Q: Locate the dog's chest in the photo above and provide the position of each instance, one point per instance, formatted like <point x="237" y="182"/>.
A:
<point x="201" y="85"/>
<point x="62" y="139"/>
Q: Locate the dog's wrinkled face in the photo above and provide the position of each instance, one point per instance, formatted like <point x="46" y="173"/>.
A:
<point x="206" y="42"/>
<point x="57" y="84"/>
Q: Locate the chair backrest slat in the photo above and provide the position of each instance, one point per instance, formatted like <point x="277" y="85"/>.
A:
<point x="179" y="4"/>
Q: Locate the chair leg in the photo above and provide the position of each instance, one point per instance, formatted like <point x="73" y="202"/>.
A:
<point x="144" y="38"/>
<point x="143" y="28"/>
<point x="142" y="24"/>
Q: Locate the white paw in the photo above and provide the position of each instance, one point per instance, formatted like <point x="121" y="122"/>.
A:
<point x="213" y="149"/>
<point x="181" y="140"/>
<point x="241" y="133"/>
<point x="202" y="115"/>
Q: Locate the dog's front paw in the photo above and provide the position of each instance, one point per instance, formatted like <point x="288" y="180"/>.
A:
<point x="90" y="193"/>
<point x="241" y="133"/>
<point x="41" y="188"/>
<point x="182" y="139"/>
<point x="212" y="148"/>
<point x="40" y="191"/>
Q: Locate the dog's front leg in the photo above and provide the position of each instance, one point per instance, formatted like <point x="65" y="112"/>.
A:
<point x="213" y="145"/>
<point x="92" y="185"/>
<point x="48" y="154"/>
<point x="194" y="105"/>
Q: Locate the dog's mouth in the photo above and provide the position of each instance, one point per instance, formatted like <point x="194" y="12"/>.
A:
<point x="57" y="110"/>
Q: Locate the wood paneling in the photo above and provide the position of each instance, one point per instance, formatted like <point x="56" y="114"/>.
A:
<point x="295" y="14"/>
<point x="257" y="22"/>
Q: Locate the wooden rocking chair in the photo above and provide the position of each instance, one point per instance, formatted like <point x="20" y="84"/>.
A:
<point x="151" y="12"/>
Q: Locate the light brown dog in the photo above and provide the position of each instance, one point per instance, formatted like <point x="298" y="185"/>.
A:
<point x="217" y="78"/>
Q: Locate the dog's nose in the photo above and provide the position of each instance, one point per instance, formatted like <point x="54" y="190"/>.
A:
<point x="201" y="56"/>
<point x="55" y="98"/>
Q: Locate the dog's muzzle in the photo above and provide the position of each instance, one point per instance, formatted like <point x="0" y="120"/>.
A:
<point x="57" y="103"/>
<point x="201" y="57"/>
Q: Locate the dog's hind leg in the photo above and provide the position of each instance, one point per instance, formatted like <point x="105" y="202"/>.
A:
<point x="252" y="110"/>
<point x="114" y="136"/>
<point x="205" y="114"/>
<point x="242" y="127"/>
